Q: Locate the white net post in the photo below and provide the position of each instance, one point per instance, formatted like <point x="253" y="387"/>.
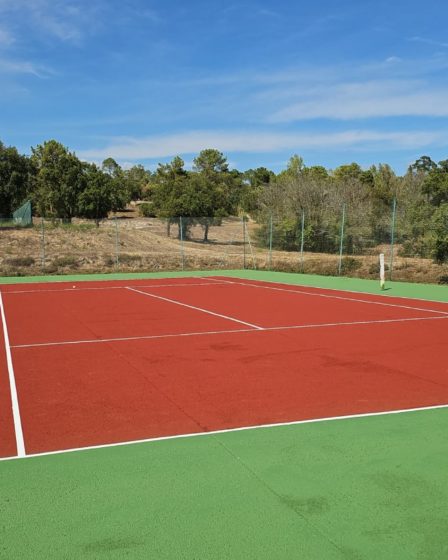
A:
<point x="382" y="273"/>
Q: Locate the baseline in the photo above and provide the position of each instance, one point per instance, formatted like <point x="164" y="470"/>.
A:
<point x="95" y="288"/>
<point x="229" y="430"/>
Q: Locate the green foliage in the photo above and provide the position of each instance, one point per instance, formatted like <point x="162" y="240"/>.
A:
<point x="436" y="184"/>
<point x="99" y="195"/>
<point x="15" y="180"/>
<point x="136" y="180"/>
<point x="59" y="180"/>
<point x="440" y="223"/>
<point x="62" y="187"/>
<point x="146" y="210"/>
<point x="120" y="187"/>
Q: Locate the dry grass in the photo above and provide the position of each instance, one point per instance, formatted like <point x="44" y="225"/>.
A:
<point x="143" y="245"/>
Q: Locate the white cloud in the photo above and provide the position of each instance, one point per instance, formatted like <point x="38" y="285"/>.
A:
<point x="133" y="149"/>
<point x="429" y="42"/>
<point x="360" y="100"/>
<point x="11" y="66"/>
<point x="65" y="21"/>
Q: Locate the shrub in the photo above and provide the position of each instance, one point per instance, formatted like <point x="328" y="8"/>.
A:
<point x="350" y="264"/>
<point x="146" y="210"/>
<point x="62" y="262"/>
<point x="20" y="261"/>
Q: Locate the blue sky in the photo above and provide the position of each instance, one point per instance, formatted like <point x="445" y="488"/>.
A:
<point x="143" y="81"/>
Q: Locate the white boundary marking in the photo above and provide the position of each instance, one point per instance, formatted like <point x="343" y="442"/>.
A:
<point x="20" y="444"/>
<point x="195" y="308"/>
<point x="229" y="331"/>
<point x="229" y="430"/>
<point x="356" y="300"/>
<point x="82" y="288"/>
<point x="282" y="283"/>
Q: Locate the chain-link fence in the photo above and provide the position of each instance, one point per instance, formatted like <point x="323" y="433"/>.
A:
<point x="341" y="245"/>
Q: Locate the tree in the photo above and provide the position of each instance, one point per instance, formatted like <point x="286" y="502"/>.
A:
<point x="136" y="179"/>
<point x="16" y="174"/>
<point x="435" y="185"/>
<point x="440" y="225"/>
<point x="210" y="162"/>
<point x="212" y="189"/>
<point x="253" y="182"/>
<point x="59" y="180"/>
<point x="423" y="165"/>
<point x="121" y="196"/>
<point x="97" y="199"/>
<point x="168" y="192"/>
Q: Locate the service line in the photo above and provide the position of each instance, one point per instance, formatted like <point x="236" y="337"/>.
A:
<point x="229" y="331"/>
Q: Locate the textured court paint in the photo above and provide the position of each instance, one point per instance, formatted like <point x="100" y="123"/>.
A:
<point x="84" y="395"/>
<point x="375" y="490"/>
<point x="98" y="394"/>
<point x="405" y="289"/>
<point x="7" y="435"/>
<point x="359" y="489"/>
<point x="12" y="385"/>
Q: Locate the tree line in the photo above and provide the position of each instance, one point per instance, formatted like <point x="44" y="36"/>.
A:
<point x="304" y="202"/>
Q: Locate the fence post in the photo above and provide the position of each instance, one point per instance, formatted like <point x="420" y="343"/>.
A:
<point x="42" y="243"/>
<point x="341" y="247"/>
<point x="392" y="237"/>
<point x="244" y="242"/>
<point x="181" y="234"/>
<point x="302" y="240"/>
<point x="117" y="244"/>
<point x="270" y="242"/>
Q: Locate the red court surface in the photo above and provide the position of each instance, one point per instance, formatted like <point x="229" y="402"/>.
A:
<point x="111" y="362"/>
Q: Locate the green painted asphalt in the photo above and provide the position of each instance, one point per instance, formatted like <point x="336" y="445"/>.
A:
<point x="367" y="488"/>
<point x="402" y="289"/>
<point x="364" y="488"/>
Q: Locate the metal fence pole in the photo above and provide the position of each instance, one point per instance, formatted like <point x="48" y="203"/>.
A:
<point x="270" y="242"/>
<point x="302" y="241"/>
<point x="42" y="243"/>
<point x="117" y="244"/>
<point x="341" y="247"/>
<point x="392" y="237"/>
<point x="181" y="235"/>
<point x="244" y="242"/>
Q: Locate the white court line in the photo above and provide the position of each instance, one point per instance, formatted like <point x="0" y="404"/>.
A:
<point x="357" y="300"/>
<point x="195" y="308"/>
<point x="203" y="333"/>
<point x="20" y="444"/>
<point x="230" y="430"/>
<point x="282" y="283"/>
<point x="82" y="288"/>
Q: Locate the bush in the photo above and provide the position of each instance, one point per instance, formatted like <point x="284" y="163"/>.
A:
<point x="61" y="262"/>
<point x="443" y="279"/>
<point x="349" y="264"/>
<point x="146" y="210"/>
<point x="375" y="268"/>
<point x="20" y="261"/>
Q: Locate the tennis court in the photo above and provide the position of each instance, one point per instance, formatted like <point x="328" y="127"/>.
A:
<point x="142" y="365"/>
